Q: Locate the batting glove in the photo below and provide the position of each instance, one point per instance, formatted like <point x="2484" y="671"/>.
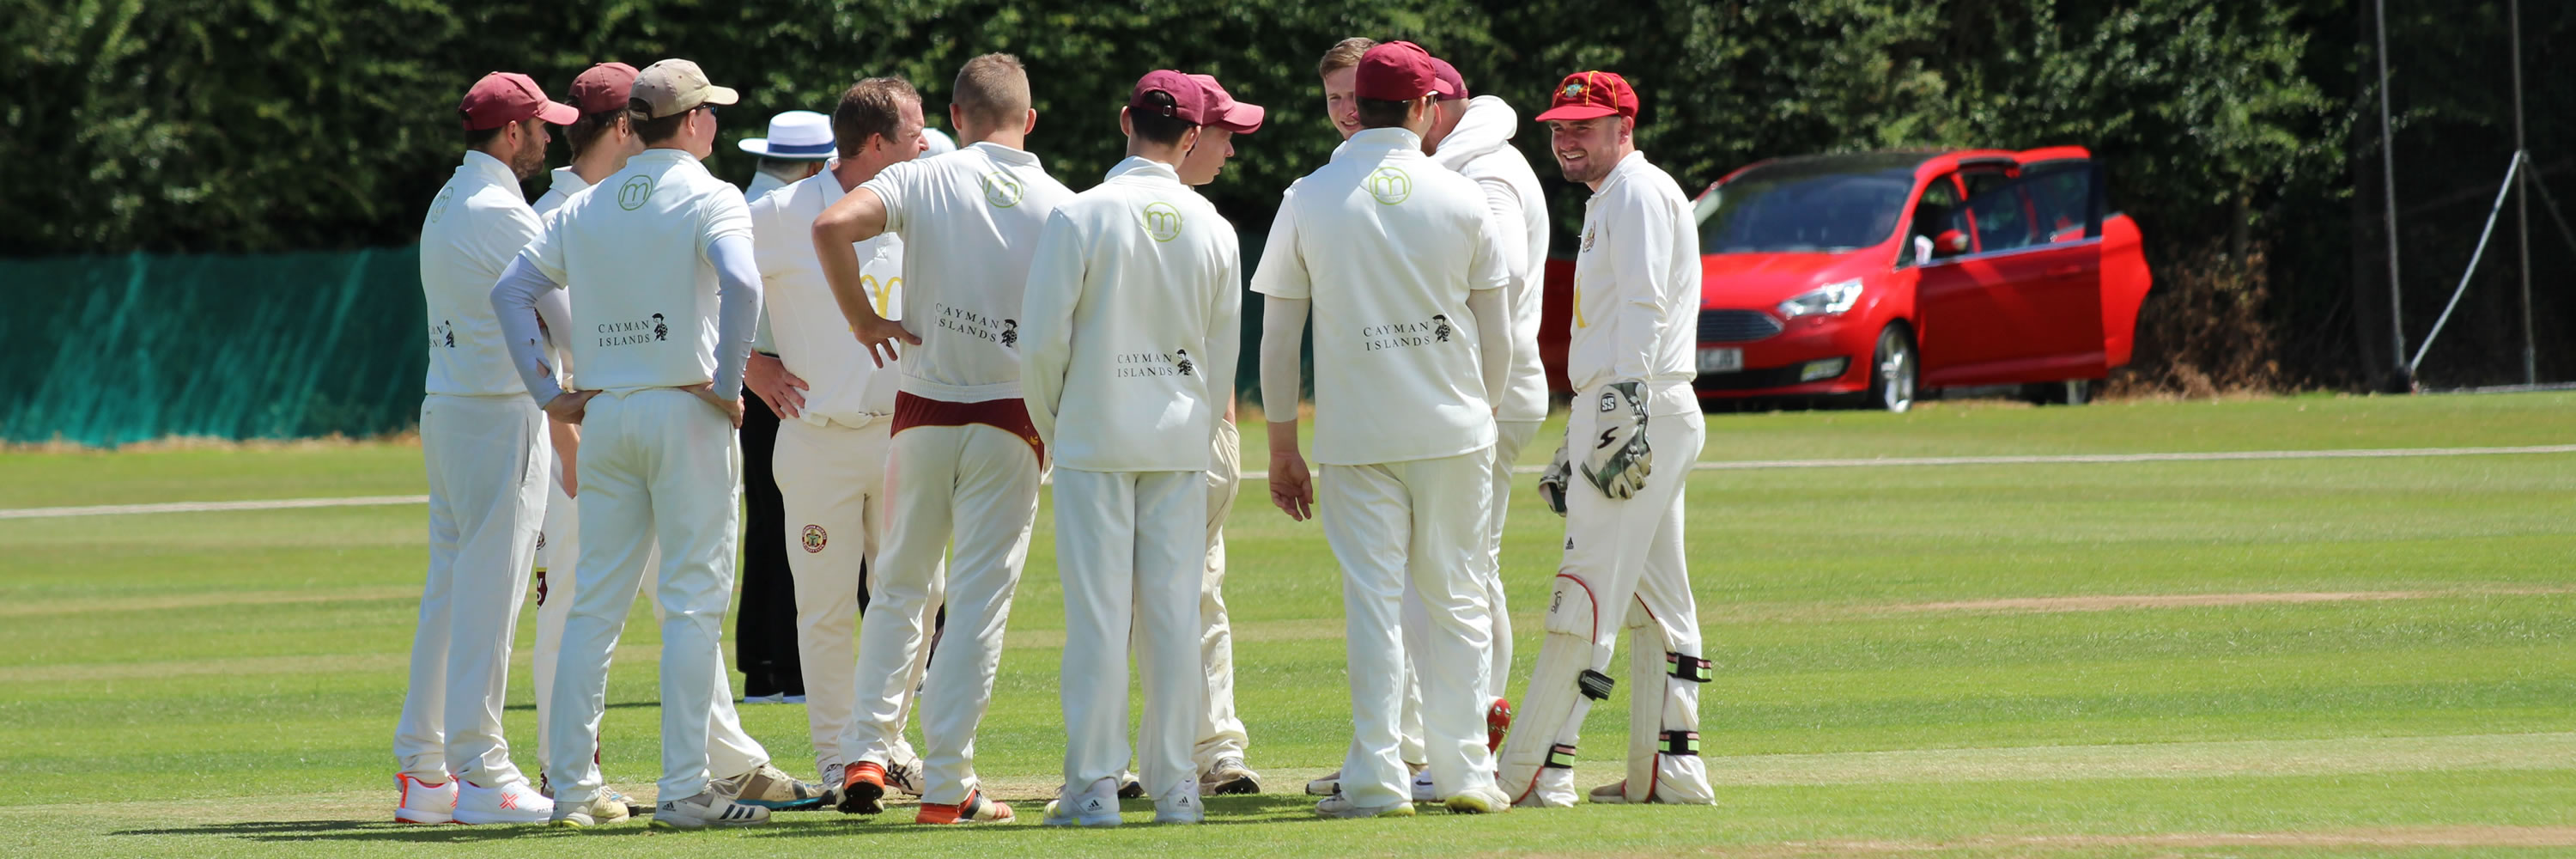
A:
<point x="1551" y="483"/>
<point x="1620" y="458"/>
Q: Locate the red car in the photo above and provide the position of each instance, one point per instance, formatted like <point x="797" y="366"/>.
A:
<point x="1882" y="274"/>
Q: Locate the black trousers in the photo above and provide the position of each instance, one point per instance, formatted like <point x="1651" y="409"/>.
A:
<point x="765" y="626"/>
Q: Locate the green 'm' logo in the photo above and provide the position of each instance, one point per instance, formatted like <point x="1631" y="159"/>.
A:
<point x="1162" y="221"/>
<point x="1390" y="185"/>
<point x="631" y="196"/>
<point x="438" y="209"/>
<point x="1000" y="190"/>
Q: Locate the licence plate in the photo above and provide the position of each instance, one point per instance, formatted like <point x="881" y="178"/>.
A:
<point x="1721" y="360"/>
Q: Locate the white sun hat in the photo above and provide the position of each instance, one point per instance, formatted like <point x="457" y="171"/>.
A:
<point x="797" y="135"/>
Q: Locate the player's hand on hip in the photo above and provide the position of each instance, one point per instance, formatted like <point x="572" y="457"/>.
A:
<point x="1620" y="458"/>
<point x="769" y="379"/>
<point x="569" y="406"/>
<point x="880" y="335"/>
<point x="1292" y="487"/>
<point x="730" y="406"/>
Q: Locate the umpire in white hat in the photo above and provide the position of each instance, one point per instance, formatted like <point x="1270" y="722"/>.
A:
<point x="799" y="145"/>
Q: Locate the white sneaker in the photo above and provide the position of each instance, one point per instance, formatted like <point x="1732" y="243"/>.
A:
<point x="1095" y="805"/>
<point x="1329" y="785"/>
<point x="515" y="802"/>
<point x="1229" y="777"/>
<point x="770" y="787"/>
<point x="421" y="802"/>
<point x="904" y="775"/>
<point x="773" y="698"/>
<point x="833" y="775"/>
<point x="607" y="807"/>
<point x="707" y="809"/>
<point x="1339" y="806"/>
<point x="1480" y="800"/>
<point x="1181" y="805"/>
<point x="1423" y="791"/>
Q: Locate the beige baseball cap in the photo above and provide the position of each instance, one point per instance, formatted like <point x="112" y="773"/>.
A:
<point x="668" y="87"/>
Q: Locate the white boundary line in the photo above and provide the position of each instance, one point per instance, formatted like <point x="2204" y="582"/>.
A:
<point x="1744" y="465"/>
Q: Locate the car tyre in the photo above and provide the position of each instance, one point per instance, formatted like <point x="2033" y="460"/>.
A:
<point x="1894" y="371"/>
<point x="2072" y="392"/>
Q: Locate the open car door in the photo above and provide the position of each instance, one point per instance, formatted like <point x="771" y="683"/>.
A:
<point x="2024" y="302"/>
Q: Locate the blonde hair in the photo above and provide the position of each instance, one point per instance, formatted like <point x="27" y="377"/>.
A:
<point x="993" y="89"/>
<point x="1343" y="55"/>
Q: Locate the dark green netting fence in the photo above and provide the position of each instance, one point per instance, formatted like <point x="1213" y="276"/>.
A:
<point x="111" y="350"/>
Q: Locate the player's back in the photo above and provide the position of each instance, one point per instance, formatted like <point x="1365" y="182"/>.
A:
<point x="1389" y="241"/>
<point x="644" y="310"/>
<point x="970" y="221"/>
<point x="478" y="222"/>
<point x="1144" y="360"/>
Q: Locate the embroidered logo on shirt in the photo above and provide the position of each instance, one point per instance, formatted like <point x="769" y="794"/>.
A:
<point x="631" y="333"/>
<point x="1000" y="189"/>
<point x="815" y="538"/>
<point x="660" y="331"/>
<point x="1011" y="333"/>
<point x="1441" y="332"/>
<point x="1588" y="236"/>
<point x="1162" y="221"/>
<point x="438" y="208"/>
<point x="1138" y="365"/>
<point x="1183" y="363"/>
<point x="1394" y="335"/>
<point x="1390" y="185"/>
<point x="442" y="334"/>
<point x="631" y="196"/>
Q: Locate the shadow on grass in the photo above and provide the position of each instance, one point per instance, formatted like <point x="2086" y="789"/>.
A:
<point x="1221" y="811"/>
<point x="619" y="705"/>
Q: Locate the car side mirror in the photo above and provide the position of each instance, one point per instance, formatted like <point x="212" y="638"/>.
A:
<point x="1951" y="242"/>
<point x="1922" y="249"/>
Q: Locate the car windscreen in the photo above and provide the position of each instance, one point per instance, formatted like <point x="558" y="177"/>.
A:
<point x="1802" y="210"/>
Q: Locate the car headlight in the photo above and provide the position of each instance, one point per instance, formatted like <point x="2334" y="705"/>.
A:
<point x="1828" y="299"/>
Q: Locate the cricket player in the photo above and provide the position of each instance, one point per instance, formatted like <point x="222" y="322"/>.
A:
<point x="602" y="139"/>
<point x="799" y="145"/>
<point x="663" y="322"/>
<point x="1636" y="285"/>
<point x="1473" y="137"/>
<point x="965" y="459"/>
<point x="836" y="407"/>
<point x="1401" y="269"/>
<point x="1221" y="744"/>
<point x="481" y="443"/>
<point x="1133" y="316"/>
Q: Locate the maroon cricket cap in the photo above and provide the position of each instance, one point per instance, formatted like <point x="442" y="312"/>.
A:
<point x="603" y="87"/>
<point x="1591" y="95"/>
<point x="1395" y="71"/>
<point x="1226" y="113"/>
<point x="1451" y="87"/>
<point x="1189" y="100"/>
<point x="501" y="98"/>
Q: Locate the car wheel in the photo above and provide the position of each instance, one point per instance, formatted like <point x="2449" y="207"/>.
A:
<point x="1893" y="371"/>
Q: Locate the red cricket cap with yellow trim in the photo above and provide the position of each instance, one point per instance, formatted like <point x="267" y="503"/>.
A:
<point x="1591" y="95"/>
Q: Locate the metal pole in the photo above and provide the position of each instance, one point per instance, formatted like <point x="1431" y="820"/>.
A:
<point x="2388" y="181"/>
<point x="2522" y="200"/>
<point x="2512" y="172"/>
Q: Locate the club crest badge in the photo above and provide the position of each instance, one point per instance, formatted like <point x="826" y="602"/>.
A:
<point x="815" y="538"/>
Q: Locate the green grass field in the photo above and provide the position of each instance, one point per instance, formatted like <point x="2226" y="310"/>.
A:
<point x="2302" y="657"/>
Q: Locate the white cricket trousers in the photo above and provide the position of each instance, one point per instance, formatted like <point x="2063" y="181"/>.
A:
<point x="1509" y="438"/>
<point x="486" y="458"/>
<point x="657" y="464"/>
<point x="1131" y="547"/>
<point x="730" y="752"/>
<point x="1220" y="731"/>
<point x="832" y="479"/>
<point x="979" y="483"/>
<point x="1422" y="522"/>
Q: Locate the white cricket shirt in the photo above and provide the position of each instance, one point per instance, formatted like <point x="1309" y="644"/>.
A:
<point x="1132" y="324"/>
<point x="969" y="221"/>
<point x="1387" y="244"/>
<point x="566" y="183"/>
<point x="645" y="313"/>
<point x="1636" y="285"/>
<point x="844" y="385"/>
<point x="1480" y="148"/>
<point x="475" y="225"/>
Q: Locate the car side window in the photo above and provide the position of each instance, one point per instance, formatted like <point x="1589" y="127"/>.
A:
<point x="2003" y="218"/>
<point x="2057" y="195"/>
<point x="1933" y="215"/>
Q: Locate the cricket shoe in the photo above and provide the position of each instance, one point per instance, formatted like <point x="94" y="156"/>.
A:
<point x="1094" y="805"/>
<point x="514" y="802"/>
<point x="1229" y="777"/>
<point x="1481" y="800"/>
<point x="771" y="788"/>
<point x="607" y="807"/>
<point x="1129" y="787"/>
<point x="706" y="809"/>
<point x="1423" y="790"/>
<point x="423" y="802"/>
<point x="976" y="809"/>
<point x="863" y="788"/>
<point x="1339" y="807"/>
<point x="1498" y="721"/>
<point x="904" y="775"/>
<point x="1181" y="805"/>
<point x="1332" y="784"/>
